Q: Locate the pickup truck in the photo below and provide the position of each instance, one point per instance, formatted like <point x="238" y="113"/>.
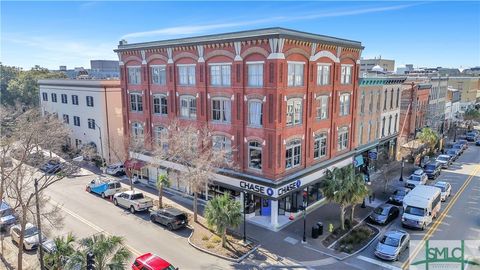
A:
<point x="104" y="187"/>
<point x="135" y="201"/>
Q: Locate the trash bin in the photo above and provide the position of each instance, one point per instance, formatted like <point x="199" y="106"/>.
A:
<point x="314" y="231"/>
<point x="320" y="228"/>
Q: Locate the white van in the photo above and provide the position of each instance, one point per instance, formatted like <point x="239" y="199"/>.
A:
<point x="421" y="206"/>
<point x="116" y="169"/>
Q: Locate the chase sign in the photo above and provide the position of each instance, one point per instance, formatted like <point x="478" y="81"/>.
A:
<point x="269" y="191"/>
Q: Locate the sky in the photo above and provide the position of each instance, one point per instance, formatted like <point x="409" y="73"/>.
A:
<point x="425" y="34"/>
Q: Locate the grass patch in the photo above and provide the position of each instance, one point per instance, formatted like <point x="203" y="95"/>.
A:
<point x="205" y="237"/>
<point x="216" y="239"/>
<point x="356" y="239"/>
<point x="210" y="245"/>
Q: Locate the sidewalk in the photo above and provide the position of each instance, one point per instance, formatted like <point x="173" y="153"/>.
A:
<point x="286" y="243"/>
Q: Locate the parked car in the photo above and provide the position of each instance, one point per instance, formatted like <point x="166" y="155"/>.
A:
<point x="31" y="238"/>
<point x="418" y="177"/>
<point x="433" y="169"/>
<point x="133" y="200"/>
<point x="398" y="195"/>
<point x="116" y="169"/>
<point x="464" y="143"/>
<point x="392" y="244"/>
<point x="446" y="189"/>
<point x="104" y="187"/>
<point x="471" y="136"/>
<point x="384" y="214"/>
<point x="7" y="216"/>
<point x="458" y="147"/>
<point x="453" y="153"/>
<point x="477" y="143"/>
<point x="149" y="261"/>
<point x="171" y="217"/>
<point x="444" y="160"/>
<point x="52" y="166"/>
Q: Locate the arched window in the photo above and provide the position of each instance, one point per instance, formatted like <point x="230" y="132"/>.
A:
<point x="294" y="111"/>
<point x="320" y="146"/>
<point x="255" y="112"/>
<point x="220" y="142"/>
<point x="255" y="155"/>
<point x="161" y="137"/>
<point x="221" y="109"/>
<point x="137" y="130"/>
<point x="293" y="154"/>
<point x="160" y="104"/>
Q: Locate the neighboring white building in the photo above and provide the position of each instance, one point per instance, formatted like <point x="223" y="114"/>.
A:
<point x="91" y="109"/>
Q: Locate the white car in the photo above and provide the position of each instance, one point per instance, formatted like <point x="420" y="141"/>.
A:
<point x="31" y="240"/>
<point x="116" y="169"/>
<point x="132" y="200"/>
<point x="446" y="189"/>
<point x="419" y="177"/>
<point x="445" y="160"/>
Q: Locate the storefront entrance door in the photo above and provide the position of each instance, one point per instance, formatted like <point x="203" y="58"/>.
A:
<point x="266" y="207"/>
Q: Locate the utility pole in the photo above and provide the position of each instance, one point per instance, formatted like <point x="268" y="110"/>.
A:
<point x="304" y="208"/>
<point x="401" y="171"/>
<point x="101" y="144"/>
<point x="244" y="218"/>
<point x="39" y="225"/>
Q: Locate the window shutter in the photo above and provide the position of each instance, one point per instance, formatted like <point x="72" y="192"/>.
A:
<point x="201" y="76"/>
<point x="239" y="104"/>
<point x="271" y="70"/>
<point x="281" y="72"/>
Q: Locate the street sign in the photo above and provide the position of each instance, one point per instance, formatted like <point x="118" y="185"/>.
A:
<point x="372" y="155"/>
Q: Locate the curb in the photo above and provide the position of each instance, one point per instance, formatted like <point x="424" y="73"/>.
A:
<point x="221" y="256"/>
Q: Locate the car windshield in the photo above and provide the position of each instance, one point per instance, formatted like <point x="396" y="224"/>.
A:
<point x="6" y="212"/>
<point x="451" y="152"/>
<point x="415" y="211"/>
<point x="443" y="158"/>
<point x="389" y="241"/>
<point x="380" y="211"/>
<point x="457" y="146"/>
<point x="400" y="192"/>
<point x="443" y="188"/>
<point x="137" y="196"/>
<point x="415" y="177"/>
<point x="430" y="167"/>
<point x="31" y="232"/>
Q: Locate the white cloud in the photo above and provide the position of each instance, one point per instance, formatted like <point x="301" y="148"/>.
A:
<point x="178" y="31"/>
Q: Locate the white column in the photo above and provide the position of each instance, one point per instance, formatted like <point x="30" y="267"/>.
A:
<point x="274" y="213"/>
<point x="242" y="200"/>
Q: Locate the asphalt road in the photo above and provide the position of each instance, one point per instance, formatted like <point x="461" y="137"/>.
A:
<point x="87" y="214"/>
<point x="459" y="219"/>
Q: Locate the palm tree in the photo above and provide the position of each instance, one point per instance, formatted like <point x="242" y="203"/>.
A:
<point x="222" y="212"/>
<point x="358" y="189"/>
<point x="336" y="190"/>
<point x="57" y="260"/>
<point x="162" y="181"/>
<point x="109" y="251"/>
<point x="429" y="137"/>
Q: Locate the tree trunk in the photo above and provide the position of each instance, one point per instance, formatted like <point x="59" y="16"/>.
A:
<point x="160" y="195"/>
<point x="20" y="243"/>
<point x="352" y="213"/>
<point x="342" y="217"/>
<point x="224" y="238"/>
<point x="195" y="208"/>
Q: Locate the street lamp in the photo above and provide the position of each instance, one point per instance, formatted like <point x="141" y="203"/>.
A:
<point x="244" y="217"/>
<point x="455" y="134"/>
<point x="401" y="171"/>
<point x="304" y="208"/>
<point x="101" y="143"/>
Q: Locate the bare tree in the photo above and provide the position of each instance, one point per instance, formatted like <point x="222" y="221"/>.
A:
<point x="192" y="147"/>
<point x="32" y="134"/>
<point x="387" y="168"/>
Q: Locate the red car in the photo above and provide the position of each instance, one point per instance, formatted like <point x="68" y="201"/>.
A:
<point x="149" y="261"/>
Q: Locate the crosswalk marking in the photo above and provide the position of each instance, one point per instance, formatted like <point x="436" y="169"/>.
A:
<point x="379" y="263"/>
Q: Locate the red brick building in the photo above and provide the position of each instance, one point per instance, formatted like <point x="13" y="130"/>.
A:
<point x="282" y="98"/>
<point x="414" y="107"/>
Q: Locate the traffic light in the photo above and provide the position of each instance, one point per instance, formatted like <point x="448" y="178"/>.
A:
<point x="90" y="261"/>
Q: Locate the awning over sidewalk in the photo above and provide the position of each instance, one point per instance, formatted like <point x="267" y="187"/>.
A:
<point x="134" y="164"/>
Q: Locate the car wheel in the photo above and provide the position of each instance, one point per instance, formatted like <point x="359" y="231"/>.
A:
<point x="89" y="190"/>
<point x="170" y="227"/>
<point x="132" y="209"/>
<point x="103" y="195"/>
<point x="152" y="218"/>
<point x="115" y="202"/>
<point x="423" y="227"/>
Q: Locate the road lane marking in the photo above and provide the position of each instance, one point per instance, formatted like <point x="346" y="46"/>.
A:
<point x="439" y="220"/>
<point x="379" y="263"/>
<point x="93" y="226"/>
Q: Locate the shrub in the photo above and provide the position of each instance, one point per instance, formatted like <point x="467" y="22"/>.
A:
<point x="210" y="245"/>
<point x="216" y="239"/>
<point x="205" y="237"/>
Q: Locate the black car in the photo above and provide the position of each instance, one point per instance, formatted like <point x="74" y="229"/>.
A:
<point x="458" y="147"/>
<point x="384" y="214"/>
<point x="170" y="217"/>
<point x="398" y="195"/>
<point x="433" y="169"/>
<point x="453" y="153"/>
<point x="52" y="166"/>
